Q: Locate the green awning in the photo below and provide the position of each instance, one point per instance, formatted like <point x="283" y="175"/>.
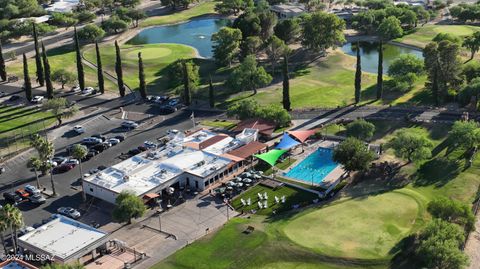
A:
<point x="272" y="156"/>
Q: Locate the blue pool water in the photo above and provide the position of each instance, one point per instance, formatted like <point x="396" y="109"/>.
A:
<point x="315" y="167"/>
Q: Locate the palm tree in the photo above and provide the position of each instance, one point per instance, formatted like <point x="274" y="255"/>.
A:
<point x="15" y="220"/>
<point x="3" y="229"/>
<point x="36" y="164"/>
<point x="45" y="150"/>
<point x="79" y="152"/>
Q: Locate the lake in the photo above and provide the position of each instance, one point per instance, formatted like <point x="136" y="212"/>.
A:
<point x="196" y="33"/>
<point x="369" y="54"/>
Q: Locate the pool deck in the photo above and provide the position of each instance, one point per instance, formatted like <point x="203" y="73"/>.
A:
<point x="330" y="179"/>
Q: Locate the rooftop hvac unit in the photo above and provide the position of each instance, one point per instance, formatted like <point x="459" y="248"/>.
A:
<point x="126" y="178"/>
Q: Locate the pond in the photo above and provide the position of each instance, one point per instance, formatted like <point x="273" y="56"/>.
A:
<point x="196" y="33"/>
<point x="369" y="54"/>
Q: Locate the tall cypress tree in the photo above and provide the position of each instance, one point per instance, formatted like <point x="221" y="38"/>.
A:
<point x="3" y="71"/>
<point x="211" y="93"/>
<point x="141" y="77"/>
<point x="187" y="99"/>
<point x="80" y="72"/>
<point x="101" y="80"/>
<point x="358" y="76"/>
<point x="48" y="80"/>
<point x="380" y="71"/>
<point x="286" y="84"/>
<point x="38" y="59"/>
<point x="26" y="79"/>
<point x="119" y="71"/>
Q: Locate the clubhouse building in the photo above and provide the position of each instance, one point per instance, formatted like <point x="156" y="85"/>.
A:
<point x="197" y="161"/>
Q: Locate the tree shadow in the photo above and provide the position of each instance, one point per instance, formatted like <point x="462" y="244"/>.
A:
<point x="404" y="254"/>
<point x="437" y="172"/>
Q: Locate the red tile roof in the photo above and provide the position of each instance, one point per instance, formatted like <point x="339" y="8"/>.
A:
<point x="264" y="127"/>
<point x="248" y="149"/>
<point x="211" y="141"/>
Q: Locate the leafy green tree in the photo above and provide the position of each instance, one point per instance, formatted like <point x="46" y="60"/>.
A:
<point x="447" y="36"/>
<point x="452" y="211"/>
<point x="60" y="108"/>
<point x="187" y="91"/>
<point x="26" y="78"/>
<point x="406" y="69"/>
<point x="244" y="109"/>
<point x="119" y="70"/>
<point x="10" y="9"/>
<point x="322" y="31"/>
<point x="411" y="145"/>
<point x="136" y="15"/>
<point x="114" y="25"/>
<point x="85" y="16"/>
<point x="91" y="33"/>
<point x="176" y="74"/>
<point x="472" y="43"/>
<point x="252" y="45"/>
<point x="38" y="59"/>
<point x="471" y="70"/>
<point x="63" y="77"/>
<point x="63" y="19"/>
<point x="313" y="5"/>
<point x="288" y="30"/>
<point x="101" y="80"/>
<point x="36" y="164"/>
<point x="358" y="76"/>
<point x="48" y="79"/>
<point x="3" y="70"/>
<point x="276" y="114"/>
<point x="286" y="84"/>
<point x="176" y="3"/>
<point x="78" y="55"/>
<point x="234" y="7"/>
<point x="443" y="68"/>
<point x="79" y="152"/>
<point x="63" y="266"/>
<point x="275" y="49"/>
<point x="128" y="206"/>
<point x="353" y="154"/>
<point x="268" y="20"/>
<point x="249" y="76"/>
<point x="439" y="245"/>
<point x="141" y="77"/>
<point x="465" y="134"/>
<point x="226" y="45"/>
<point x="211" y="93"/>
<point x="470" y="94"/>
<point x="129" y="3"/>
<point x="389" y="29"/>
<point x="368" y="21"/>
<point x="360" y="129"/>
<point x="248" y="23"/>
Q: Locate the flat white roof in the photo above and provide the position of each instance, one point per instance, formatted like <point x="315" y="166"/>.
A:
<point x="62" y="237"/>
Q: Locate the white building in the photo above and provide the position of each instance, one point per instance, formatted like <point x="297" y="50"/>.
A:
<point x="197" y="161"/>
<point x="63" y="6"/>
<point x="62" y="240"/>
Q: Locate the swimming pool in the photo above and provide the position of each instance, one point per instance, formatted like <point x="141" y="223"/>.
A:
<point x="315" y="167"/>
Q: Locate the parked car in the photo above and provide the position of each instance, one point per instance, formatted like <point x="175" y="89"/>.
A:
<point x="100" y="147"/>
<point x="133" y="152"/>
<point x="37" y="99"/>
<point x="91" y="140"/>
<point x="75" y="89"/>
<point x="25" y="230"/>
<point x="22" y="193"/>
<point x="173" y="102"/>
<point x="72" y="162"/>
<point x="142" y="148"/>
<point x="59" y="160"/>
<point x="52" y="162"/>
<point x="78" y="129"/>
<point x="150" y="145"/>
<point x="113" y="141"/>
<point x="32" y="190"/>
<point x="2" y="94"/>
<point x="14" y="98"/>
<point x="69" y="212"/>
<point x="37" y="199"/>
<point x="120" y="137"/>
<point x="88" y="156"/>
<point x="87" y="90"/>
<point x="12" y="198"/>
<point x="101" y="167"/>
<point x="129" y="124"/>
<point x="167" y="109"/>
<point x="63" y="168"/>
<point x="99" y="136"/>
<point x="172" y="132"/>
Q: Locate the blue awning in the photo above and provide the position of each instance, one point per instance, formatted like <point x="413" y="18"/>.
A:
<point x="287" y="142"/>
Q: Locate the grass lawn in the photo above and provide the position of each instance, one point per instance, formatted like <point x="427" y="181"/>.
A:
<point x="293" y="196"/>
<point x="329" y="83"/>
<point x="203" y="8"/>
<point x="155" y="58"/>
<point x="282" y="165"/>
<point x="60" y="58"/>
<point x="13" y="117"/>
<point x="224" y="124"/>
<point x="362" y="228"/>
<point x="425" y="34"/>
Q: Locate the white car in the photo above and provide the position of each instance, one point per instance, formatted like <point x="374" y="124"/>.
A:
<point x="32" y="190"/>
<point x="75" y="89"/>
<point x="172" y="132"/>
<point x="129" y="124"/>
<point x="79" y="129"/>
<point x="87" y="90"/>
<point x="72" y="161"/>
<point x="69" y="212"/>
<point x="113" y="141"/>
<point x="37" y="99"/>
<point x="91" y="140"/>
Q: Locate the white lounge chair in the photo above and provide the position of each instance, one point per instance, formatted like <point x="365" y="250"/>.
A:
<point x="260" y="197"/>
<point x="249" y="201"/>
<point x="265" y="204"/>
<point x="243" y="202"/>
<point x="283" y="199"/>
<point x="265" y="195"/>
<point x="277" y="200"/>
<point x="260" y="205"/>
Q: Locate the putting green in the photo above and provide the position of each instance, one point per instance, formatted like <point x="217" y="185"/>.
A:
<point x="366" y="227"/>
<point x="149" y="53"/>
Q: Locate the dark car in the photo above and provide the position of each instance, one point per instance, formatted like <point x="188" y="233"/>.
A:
<point x="63" y="168"/>
<point x="142" y="148"/>
<point x="99" y="147"/>
<point x="12" y="198"/>
<point x="13" y="98"/>
<point x="120" y="137"/>
<point x="167" y="109"/>
<point x="102" y="167"/>
<point x="134" y="152"/>
<point x="100" y="137"/>
<point x="89" y="155"/>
